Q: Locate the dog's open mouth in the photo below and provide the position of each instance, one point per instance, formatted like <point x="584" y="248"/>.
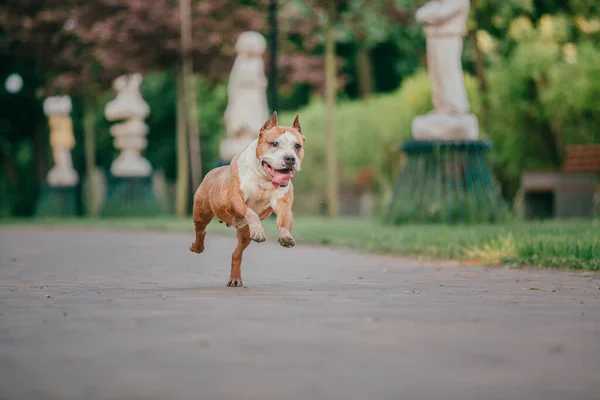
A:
<point x="279" y="177"/>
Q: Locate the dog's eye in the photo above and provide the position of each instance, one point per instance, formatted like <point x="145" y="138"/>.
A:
<point x="298" y="147"/>
<point x="274" y="144"/>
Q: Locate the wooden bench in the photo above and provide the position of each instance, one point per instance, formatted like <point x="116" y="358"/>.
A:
<point x="583" y="158"/>
<point x="565" y="193"/>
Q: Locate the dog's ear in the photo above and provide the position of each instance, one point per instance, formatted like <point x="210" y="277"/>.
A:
<point x="296" y="126"/>
<point x="271" y="122"/>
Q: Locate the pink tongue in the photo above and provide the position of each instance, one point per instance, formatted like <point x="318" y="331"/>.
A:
<point x="281" y="179"/>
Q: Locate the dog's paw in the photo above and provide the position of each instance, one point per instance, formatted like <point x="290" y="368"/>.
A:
<point x="197" y="247"/>
<point x="234" y="282"/>
<point x="286" y="239"/>
<point x="258" y="234"/>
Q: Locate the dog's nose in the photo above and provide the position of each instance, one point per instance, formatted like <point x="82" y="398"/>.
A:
<point x="289" y="160"/>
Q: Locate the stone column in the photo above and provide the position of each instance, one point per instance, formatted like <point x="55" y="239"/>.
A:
<point x="247" y="107"/>
<point x="62" y="141"/>
<point x="59" y="195"/>
<point x="130" y="135"/>
<point x="130" y="191"/>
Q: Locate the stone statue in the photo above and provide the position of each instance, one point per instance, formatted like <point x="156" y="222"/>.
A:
<point x="62" y="141"/>
<point x="445" y="24"/>
<point x="247" y="107"/>
<point x="130" y="134"/>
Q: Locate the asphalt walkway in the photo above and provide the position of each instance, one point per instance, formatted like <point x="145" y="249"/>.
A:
<point x="127" y="316"/>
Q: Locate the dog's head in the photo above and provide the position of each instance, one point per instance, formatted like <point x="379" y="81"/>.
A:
<point x="280" y="150"/>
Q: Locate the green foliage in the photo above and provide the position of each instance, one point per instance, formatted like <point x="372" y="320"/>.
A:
<point x="543" y="97"/>
<point x="572" y="95"/>
<point x="22" y="126"/>
<point x="367" y="132"/>
<point x="495" y="16"/>
<point x="542" y="62"/>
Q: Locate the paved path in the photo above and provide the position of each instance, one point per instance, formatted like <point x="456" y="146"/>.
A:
<point x="128" y="316"/>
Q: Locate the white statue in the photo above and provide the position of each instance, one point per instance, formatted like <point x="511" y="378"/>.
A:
<point x="129" y="135"/>
<point x="62" y="140"/>
<point x="445" y="25"/>
<point x="247" y="108"/>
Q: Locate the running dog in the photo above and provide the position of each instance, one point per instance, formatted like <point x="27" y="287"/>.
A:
<point x="256" y="184"/>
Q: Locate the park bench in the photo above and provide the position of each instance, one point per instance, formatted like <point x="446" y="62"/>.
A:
<point x="568" y="193"/>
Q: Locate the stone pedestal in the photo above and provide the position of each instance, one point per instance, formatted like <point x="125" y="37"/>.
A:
<point x="445" y="182"/>
<point x="57" y="201"/>
<point x="130" y="197"/>
<point x="445" y="126"/>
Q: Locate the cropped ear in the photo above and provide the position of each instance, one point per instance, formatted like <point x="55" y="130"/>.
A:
<point x="271" y="122"/>
<point x="296" y="125"/>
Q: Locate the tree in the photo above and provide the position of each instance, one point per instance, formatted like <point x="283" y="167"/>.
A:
<point x="368" y="23"/>
<point x="112" y="37"/>
<point x="535" y="110"/>
<point x="46" y="36"/>
<point x="330" y="94"/>
<point x="359" y="23"/>
<point x="207" y="28"/>
<point x="314" y="27"/>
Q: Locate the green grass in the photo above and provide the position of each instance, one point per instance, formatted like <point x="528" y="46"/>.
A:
<point x="573" y="245"/>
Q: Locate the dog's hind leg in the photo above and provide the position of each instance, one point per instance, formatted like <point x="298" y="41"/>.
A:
<point x="202" y="217"/>
<point x="200" y="228"/>
<point x="235" y="278"/>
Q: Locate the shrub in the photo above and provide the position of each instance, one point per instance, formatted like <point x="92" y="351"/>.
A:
<point x="367" y="132"/>
<point x="542" y="97"/>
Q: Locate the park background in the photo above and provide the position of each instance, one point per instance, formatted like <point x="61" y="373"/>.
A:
<point x="531" y="71"/>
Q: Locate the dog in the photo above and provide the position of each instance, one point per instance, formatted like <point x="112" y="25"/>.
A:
<point x="254" y="185"/>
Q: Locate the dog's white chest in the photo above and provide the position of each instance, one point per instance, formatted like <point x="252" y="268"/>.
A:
<point x="251" y="187"/>
<point x="261" y="195"/>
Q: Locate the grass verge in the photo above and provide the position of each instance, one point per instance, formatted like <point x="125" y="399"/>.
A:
<point x="573" y="245"/>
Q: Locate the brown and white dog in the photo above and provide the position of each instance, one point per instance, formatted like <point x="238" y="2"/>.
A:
<point x="256" y="184"/>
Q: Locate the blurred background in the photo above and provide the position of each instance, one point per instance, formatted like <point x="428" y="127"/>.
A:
<point x="531" y="72"/>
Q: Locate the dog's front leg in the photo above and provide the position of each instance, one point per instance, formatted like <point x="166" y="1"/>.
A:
<point x="283" y="210"/>
<point x="257" y="232"/>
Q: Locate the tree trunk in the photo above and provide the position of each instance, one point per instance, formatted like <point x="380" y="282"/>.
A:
<point x="547" y="134"/>
<point x="181" y="187"/>
<point x="364" y="71"/>
<point x="273" y="79"/>
<point x="551" y="143"/>
<point x="189" y="88"/>
<point x="330" y="89"/>
<point x="40" y="154"/>
<point x="90" y="155"/>
<point x="12" y="173"/>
